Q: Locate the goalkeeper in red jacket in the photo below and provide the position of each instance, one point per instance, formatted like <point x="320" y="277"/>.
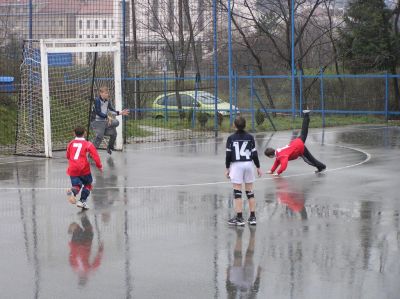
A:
<point x="293" y="150"/>
<point x="79" y="168"/>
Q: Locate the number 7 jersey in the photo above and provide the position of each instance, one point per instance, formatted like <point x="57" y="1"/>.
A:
<point x="241" y="147"/>
<point x="77" y="150"/>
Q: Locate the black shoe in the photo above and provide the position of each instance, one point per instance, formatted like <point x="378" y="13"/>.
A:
<point x="320" y="169"/>
<point x="237" y="221"/>
<point x="109" y="150"/>
<point x="252" y="220"/>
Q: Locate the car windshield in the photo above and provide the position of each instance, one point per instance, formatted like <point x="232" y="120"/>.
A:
<point x="208" y="99"/>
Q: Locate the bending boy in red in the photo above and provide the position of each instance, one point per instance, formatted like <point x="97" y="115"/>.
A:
<point x="79" y="167"/>
<point x="293" y="150"/>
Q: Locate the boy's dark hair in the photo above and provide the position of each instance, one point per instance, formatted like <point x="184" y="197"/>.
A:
<point x="79" y="131"/>
<point x="240" y="123"/>
<point x="269" y="152"/>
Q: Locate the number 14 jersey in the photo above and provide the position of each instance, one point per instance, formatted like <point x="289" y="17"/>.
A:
<point x="241" y="147"/>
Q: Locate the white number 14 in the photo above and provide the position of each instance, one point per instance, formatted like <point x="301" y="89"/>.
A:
<point x="242" y="151"/>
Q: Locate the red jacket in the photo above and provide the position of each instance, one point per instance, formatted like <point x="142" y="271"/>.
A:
<point x="290" y="152"/>
<point x="77" y="151"/>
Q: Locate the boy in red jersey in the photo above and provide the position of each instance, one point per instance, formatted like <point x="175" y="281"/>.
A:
<point x="293" y="150"/>
<point x="79" y="167"/>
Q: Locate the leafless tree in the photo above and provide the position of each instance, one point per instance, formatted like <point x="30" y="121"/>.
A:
<point x="177" y="30"/>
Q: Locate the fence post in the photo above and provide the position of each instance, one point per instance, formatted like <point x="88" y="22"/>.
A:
<point x="165" y="98"/>
<point x="215" y="59"/>
<point x="252" y="100"/>
<point x="196" y="87"/>
<point x="386" y="95"/>
<point x="300" y="73"/>
<point x="236" y="90"/>
<point x="230" y="61"/>
<point x="30" y="19"/>
<point x="321" y="76"/>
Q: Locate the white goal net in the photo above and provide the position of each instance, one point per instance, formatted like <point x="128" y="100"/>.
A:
<point x="59" y="80"/>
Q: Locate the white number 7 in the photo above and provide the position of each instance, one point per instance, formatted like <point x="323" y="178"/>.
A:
<point x="78" y="151"/>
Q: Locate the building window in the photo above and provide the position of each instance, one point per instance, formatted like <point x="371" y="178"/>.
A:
<point x="112" y="24"/>
<point x="80" y="35"/>
<point x="155" y="9"/>
<point x="88" y="36"/>
<point x="96" y="36"/>
<point x="60" y="23"/>
<point x="201" y="14"/>
<point x="104" y="36"/>
<point x="80" y="24"/>
<point x="171" y="15"/>
<point x="96" y="24"/>
<point x="88" y="24"/>
<point x="104" y="24"/>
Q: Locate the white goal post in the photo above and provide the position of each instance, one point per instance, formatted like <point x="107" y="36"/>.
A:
<point x="60" y="85"/>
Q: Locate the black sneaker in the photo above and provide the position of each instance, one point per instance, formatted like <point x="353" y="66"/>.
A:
<point x="252" y="220"/>
<point x="320" y="169"/>
<point x="109" y="150"/>
<point x="237" y="221"/>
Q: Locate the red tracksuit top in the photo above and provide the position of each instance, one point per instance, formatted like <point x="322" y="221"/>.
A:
<point x="289" y="197"/>
<point x="80" y="254"/>
<point x="290" y="152"/>
<point x="77" y="151"/>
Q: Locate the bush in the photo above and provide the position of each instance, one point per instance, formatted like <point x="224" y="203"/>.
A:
<point x="202" y="117"/>
<point x="260" y="117"/>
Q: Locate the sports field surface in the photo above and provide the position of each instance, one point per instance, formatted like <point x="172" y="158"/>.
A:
<point x="157" y="223"/>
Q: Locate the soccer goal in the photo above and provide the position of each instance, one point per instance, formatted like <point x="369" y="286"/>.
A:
<point x="59" y="80"/>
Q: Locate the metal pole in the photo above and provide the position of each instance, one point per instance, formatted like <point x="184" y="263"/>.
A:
<point x="30" y="19"/>
<point x="252" y="99"/>
<point x="215" y="58"/>
<point x="165" y="98"/>
<point x="300" y="74"/>
<point x="386" y="95"/>
<point x="124" y="63"/>
<point x="293" y="66"/>
<point x="321" y="76"/>
<point x="230" y="61"/>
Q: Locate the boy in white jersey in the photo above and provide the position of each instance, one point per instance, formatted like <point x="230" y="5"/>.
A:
<point x="241" y="153"/>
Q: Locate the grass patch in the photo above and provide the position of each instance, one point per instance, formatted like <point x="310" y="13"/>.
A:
<point x="133" y="129"/>
<point x="8" y="120"/>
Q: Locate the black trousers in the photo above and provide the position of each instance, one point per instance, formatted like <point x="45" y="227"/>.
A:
<point x="307" y="157"/>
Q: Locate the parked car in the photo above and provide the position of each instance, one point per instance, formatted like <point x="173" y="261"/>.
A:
<point x="204" y="102"/>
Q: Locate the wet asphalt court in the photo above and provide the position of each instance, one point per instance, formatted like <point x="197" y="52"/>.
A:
<point x="157" y="227"/>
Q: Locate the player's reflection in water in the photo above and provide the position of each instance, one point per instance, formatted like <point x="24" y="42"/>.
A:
<point x="243" y="277"/>
<point x="290" y="196"/>
<point x="80" y="246"/>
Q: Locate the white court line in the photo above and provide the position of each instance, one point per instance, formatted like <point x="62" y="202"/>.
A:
<point x="214" y="142"/>
<point x="19" y="161"/>
<point x="368" y="157"/>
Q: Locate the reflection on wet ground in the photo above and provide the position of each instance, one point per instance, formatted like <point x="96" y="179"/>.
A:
<point x="157" y="224"/>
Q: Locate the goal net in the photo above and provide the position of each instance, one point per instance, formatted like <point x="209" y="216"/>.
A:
<point x="59" y="80"/>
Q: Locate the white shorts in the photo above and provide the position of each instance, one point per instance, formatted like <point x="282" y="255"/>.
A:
<point x="242" y="172"/>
